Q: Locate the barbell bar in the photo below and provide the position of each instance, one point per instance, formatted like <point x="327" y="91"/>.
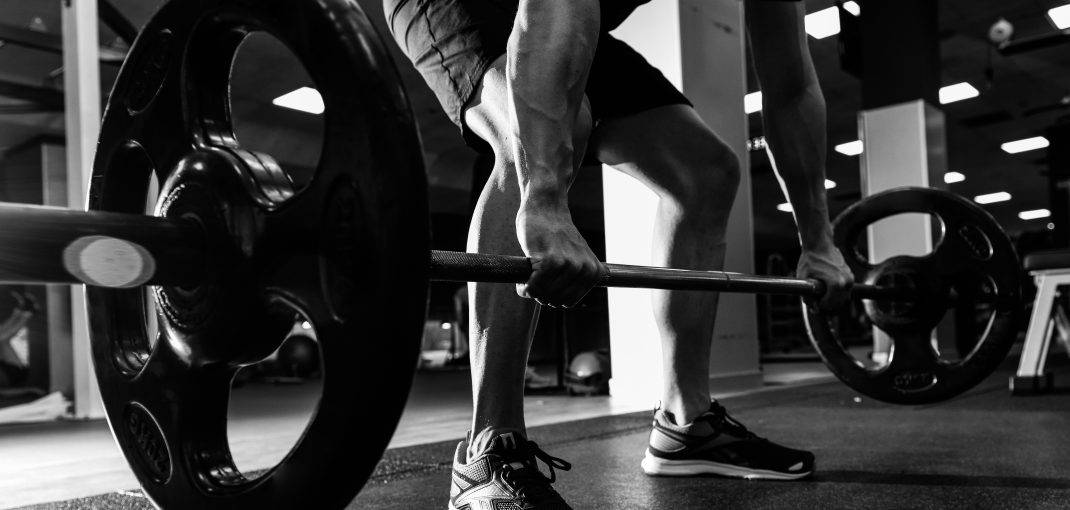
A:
<point x="477" y="267"/>
<point x="42" y="245"/>
<point x="117" y="250"/>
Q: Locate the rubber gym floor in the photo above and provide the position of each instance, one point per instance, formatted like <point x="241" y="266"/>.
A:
<point x="985" y="449"/>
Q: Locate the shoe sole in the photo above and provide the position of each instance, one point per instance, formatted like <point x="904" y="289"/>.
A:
<point x="655" y="466"/>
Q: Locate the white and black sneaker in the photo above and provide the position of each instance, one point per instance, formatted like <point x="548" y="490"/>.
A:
<point x="505" y="476"/>
<point x="717" y="444"/>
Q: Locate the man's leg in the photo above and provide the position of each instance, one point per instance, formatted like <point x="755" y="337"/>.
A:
<point x="695" y="175"/>
<point x="500" y="319"/>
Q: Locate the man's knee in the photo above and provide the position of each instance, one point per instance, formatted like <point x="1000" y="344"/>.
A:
<point x="705" y="173"/>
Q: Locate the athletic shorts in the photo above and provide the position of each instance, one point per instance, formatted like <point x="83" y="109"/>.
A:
<point x="452" y="43"/>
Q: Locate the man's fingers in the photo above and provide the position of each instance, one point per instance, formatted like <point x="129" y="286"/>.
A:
<point x="561" y="282"/>
<point x="548" y="282"/>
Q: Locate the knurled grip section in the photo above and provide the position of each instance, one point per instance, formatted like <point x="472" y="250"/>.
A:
<point x="473" y="267"/>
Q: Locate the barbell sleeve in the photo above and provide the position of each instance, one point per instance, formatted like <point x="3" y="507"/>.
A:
<point x="41" y="245"/>
<point x="475" y="267"/>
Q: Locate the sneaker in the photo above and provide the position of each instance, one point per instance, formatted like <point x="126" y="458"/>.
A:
<point x="715" y="443"/>
<point x="505" y="476"/>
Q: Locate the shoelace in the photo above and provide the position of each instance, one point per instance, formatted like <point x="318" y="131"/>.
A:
<point x="528" y="480"/>
<point x="721" y="419"/>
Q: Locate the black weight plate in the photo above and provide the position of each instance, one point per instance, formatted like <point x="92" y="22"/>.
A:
<point x="348" y="252"/>
<point x="973" y="249"/>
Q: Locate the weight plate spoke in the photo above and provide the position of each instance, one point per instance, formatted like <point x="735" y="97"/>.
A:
<point x="914" y="364"/>
<point x="146" y="131"/>
<point x="189" y="407"/>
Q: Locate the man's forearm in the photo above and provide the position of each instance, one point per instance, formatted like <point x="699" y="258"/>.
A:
<point x="795" y="129"/>
<point x="549" y="57"/>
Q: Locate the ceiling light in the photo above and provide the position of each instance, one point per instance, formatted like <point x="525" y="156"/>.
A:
<point x="953" y="177"/>
<point x="830" y="184"/>
<point x="850" y="148"/>
<point x="1025" y="144"/>
<point x="852" y="7"/>
<point x="305" y="99"/>
<point x="752" y="102"/>
<point x="991" y="198"/>
<point x="957" y="92"/>
<point x="1035" y="214"/>
<point x="785" y="207"/>
<point x="1060" y="16"/>
<point x="823" y="23"/>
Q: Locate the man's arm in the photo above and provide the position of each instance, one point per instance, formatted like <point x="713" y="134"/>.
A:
<point x="793" y="110"/>
<point x="548" y="60"/>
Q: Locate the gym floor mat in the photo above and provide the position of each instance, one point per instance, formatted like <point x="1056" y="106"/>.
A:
<point x="985" y="449"/>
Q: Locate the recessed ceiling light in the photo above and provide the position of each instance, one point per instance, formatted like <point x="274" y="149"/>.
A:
<point x="785" y="207"/>
<point x="1035" y="214"/>
<point x="830" y="184"/>
<point x="852" y="7"/>
<point x="1025" y="144"/>
<point x="957" y="92"/>
<point x="823" y="23"/>
<point x="953" y="177"/>
<point x="1060" y="16"/>
<point x="991" y="198"/>
<point x="850" y="148"/>
<point x="305" y="99"/>
<point x="752" y="102"/>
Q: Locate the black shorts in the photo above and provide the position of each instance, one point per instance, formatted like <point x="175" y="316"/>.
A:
<point x="452" y="43"/>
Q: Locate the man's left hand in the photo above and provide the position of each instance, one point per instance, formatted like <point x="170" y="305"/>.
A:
<point x="827" y="265"/>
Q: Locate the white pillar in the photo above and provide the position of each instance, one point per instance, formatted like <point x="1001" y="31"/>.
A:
<point x="700" y="46"/>
<point x="81" y="78"/>
<point x="904" y="145"/>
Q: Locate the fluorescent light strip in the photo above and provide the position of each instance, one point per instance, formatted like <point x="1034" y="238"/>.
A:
<point x="852" y="7"/>
<point x="957" y="92"/>
<point x="953" y="177"/>
<point x="1035" y="214"/>
<point x="785" y="207"/>
<point x="992" y="198"/>
<point x="850" y="148"/>
<point x="1060" y="16"/>
<point x="1025" y="144"/>
<point x="752" y="103"/>
<point x="304" y="99"/>
<point x="823" y="23"/>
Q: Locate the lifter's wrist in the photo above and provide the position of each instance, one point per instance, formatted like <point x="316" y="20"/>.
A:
<point x="544" y="198"/>
<point x="818" y="239"/>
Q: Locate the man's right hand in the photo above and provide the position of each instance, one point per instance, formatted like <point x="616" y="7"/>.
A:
<point x="564" y="267"/>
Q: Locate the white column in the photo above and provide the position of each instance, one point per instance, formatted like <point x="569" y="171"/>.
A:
<point x="699" y="46"/>
<point x="81" y="78"/>
<point x="904" y="145"/>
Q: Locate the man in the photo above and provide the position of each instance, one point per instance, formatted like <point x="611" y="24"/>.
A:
<point x="541" y="84"/>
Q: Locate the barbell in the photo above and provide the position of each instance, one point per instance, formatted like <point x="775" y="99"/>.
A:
<point x="231" y="250"/>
